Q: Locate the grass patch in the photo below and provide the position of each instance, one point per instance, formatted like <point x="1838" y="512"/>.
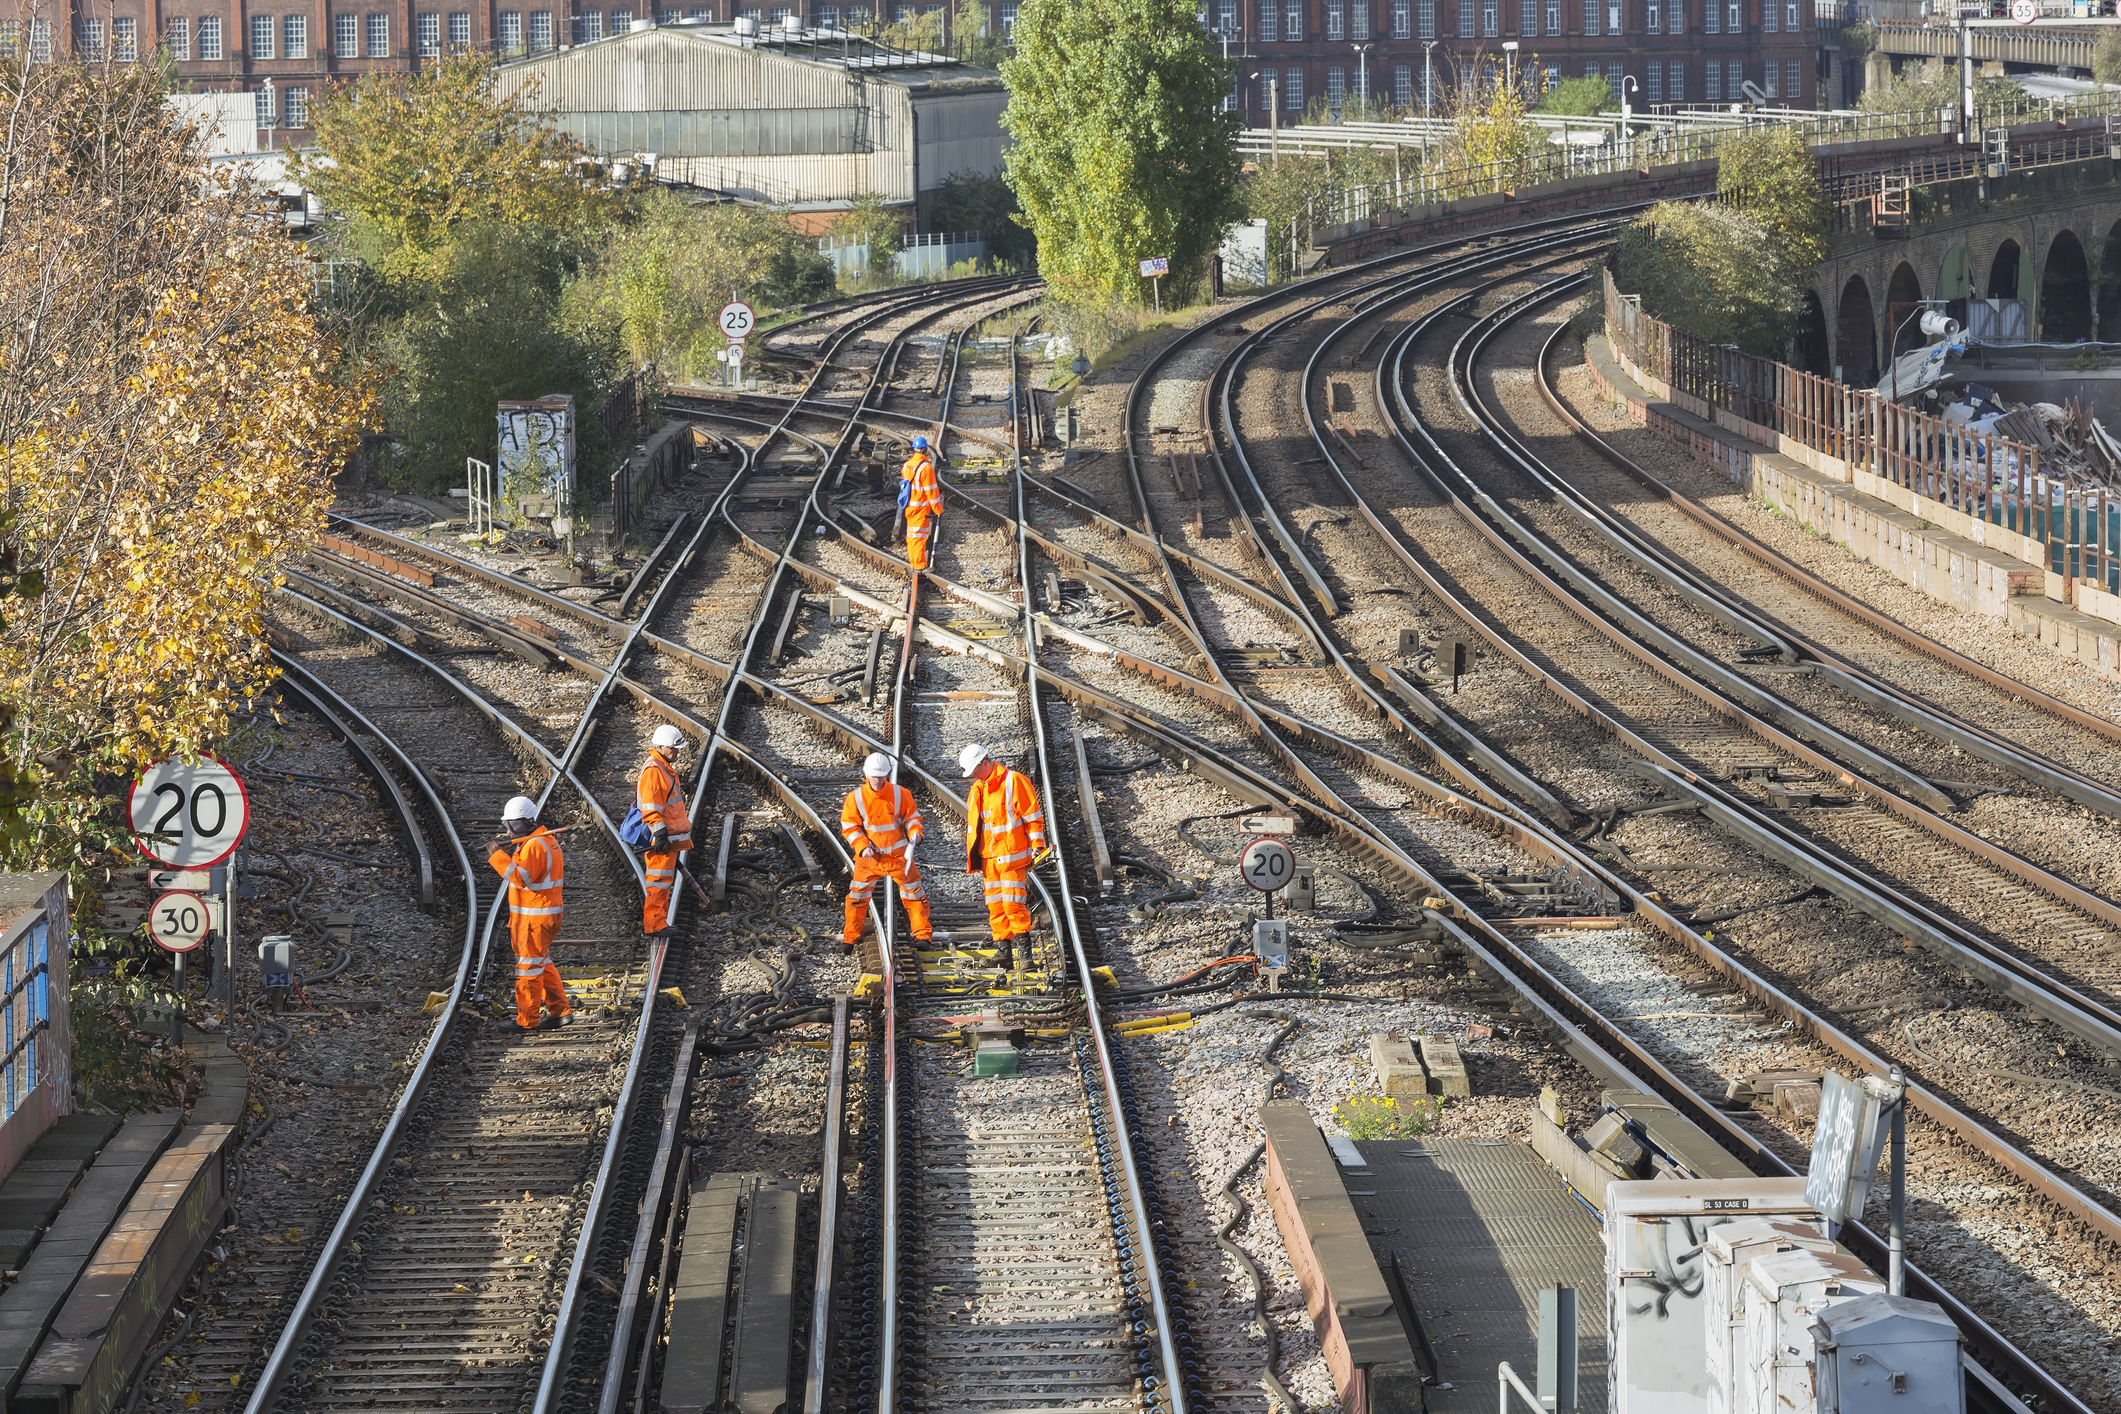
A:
<point x="1382" y="1117"/>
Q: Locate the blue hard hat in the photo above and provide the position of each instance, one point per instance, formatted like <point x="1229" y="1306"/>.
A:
<point x="920" y="444"/>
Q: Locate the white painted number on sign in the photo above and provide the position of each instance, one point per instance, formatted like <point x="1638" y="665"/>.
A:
<point x="1267" y="865"/>
<point x="178" y="921"/>
<point x="736" y="320"/>
<point x="189" y="816"/>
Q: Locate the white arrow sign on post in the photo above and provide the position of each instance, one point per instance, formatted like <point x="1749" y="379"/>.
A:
<point x="189" y="815"/>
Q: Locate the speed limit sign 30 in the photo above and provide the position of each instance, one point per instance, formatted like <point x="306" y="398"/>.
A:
<point x="178" y="921"/>
<point x="189" y="815"/>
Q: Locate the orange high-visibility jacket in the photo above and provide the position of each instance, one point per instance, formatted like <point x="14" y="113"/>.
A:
<point x="1004" y="825"/>
<point x="887" y="821"/>
<point x="662" y="798"/>
<point x="927" y="497"/>
<point x="535" y="873"/>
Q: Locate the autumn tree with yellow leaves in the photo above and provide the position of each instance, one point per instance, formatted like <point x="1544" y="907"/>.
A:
<point x="171" y="413"/>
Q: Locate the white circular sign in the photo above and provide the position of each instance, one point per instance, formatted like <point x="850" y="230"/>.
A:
<point x="1267" y="865"/>
<point x="178" y="921"/>
<point x="189" y="815"/>
<point x="736" y="353"/>
<point x="737" y="320"/>
<point x="2025" y="11"/>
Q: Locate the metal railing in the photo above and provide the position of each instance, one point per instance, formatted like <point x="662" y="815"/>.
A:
<point x="1978" y="474"/>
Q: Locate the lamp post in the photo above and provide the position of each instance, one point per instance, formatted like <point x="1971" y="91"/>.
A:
<point x="1428" y="74"/>
<point x="1627" y="86"/>
<point x="1509" y="63"/>
<point x="1362" y="82"/>
<point x="1892" y="347"/>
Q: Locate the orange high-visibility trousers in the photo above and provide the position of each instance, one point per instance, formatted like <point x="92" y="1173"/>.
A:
<point x="1008" y="902"/>
<point x="661" y="868"/>
<point x="538" y="982"/>
<point x="886" y="865"/>
<point x="920" y="535"/>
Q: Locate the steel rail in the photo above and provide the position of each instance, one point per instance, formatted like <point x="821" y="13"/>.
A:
<point x="2064" y="1196"/>
<point x="300" y="1316"/>
<point x="333" y="708"/>
<point x="1965" y="947"/>
<point x="1686" y="581"/>
<point x="1804" y="579"/>
<point x="1543" y="990"/>
<point x="1062" y="911"/>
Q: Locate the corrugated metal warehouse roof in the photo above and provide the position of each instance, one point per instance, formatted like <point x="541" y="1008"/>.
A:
<point x="810" y="119"/>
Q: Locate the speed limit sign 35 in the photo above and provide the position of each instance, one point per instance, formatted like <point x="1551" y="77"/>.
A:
<point x="178" y="921"/>
<point x="1267" y="865"/>
<point x="189" y="815"/>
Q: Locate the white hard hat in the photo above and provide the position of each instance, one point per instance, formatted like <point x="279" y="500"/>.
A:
<point x="667" y="735"/>
<point x="521" y="808"/>
<point x="878" y="764"/>
<point x="968" y="760"/>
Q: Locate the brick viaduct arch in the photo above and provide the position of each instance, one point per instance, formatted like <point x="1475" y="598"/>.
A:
<point x="2052" y="239"/>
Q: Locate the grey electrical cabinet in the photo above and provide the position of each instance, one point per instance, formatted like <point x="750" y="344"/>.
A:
<point x="1888" y="1354"/>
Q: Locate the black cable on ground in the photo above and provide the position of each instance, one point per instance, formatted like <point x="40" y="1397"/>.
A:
<point x="1243" y="1210"/>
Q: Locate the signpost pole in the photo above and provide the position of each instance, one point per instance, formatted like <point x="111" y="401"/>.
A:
<point x="180" y="1001"/>
<point x="1896" y="1232"/>
<point x="1156" y="292"/>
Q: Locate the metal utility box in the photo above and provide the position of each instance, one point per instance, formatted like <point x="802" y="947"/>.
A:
<point x="1883" y="1354"/>
<point x="1655" y="1269"/>
<point x="1727" y="1250"/>
<point x="1781" y="1297"/>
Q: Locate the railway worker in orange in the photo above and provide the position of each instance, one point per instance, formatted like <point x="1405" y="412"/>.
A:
<point x="882" y="826"/>
<point x="529" y="860"/>
<point x="920" y="496"/>
<point x="661" y="798"/>
<point x="1005" y="835"/>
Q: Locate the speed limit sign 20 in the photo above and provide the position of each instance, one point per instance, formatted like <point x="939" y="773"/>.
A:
<point x="189" y="815"/>
<point x="1267" y="865"/>
<point x="178" y="921"/>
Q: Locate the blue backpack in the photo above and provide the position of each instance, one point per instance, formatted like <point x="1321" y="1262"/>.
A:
<point x="634" y="831"/>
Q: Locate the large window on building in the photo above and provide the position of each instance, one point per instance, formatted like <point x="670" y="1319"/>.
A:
<point x="427" y="35"/>
<point x="1403" y="85"/>
<point x="1270" y="21"/>
<point x="176" y="37"/>
<point x="294" y="36"/>
<point x="1428" y="19"/>
<point x="460" y="30"/>
<point x="262" y="42"/>
<point x="1675" y="82"/>
<point x="1770" y="17"/>
<point x="379" y="36"/>
<point x="346" y="36"/>
<point x="1734" y="78"/>
<point x="1336" y="85"/>
<point x="1359" y="19"/>
<point x="1715" y="81"/>
<point x="298" y="107"/>
<point x="125" y="39"/>
<point x="262" y="101"/>
<point x="1336" y="19"/>
<point x="1292" y="90"/>
<point x="511" y="35"/>
<point x="1591" y="14"/>
<point x="1614" y="78"/>
<point x="1733" y="16"/>
<point x="209" y="37"/>
<point x="89" y="38"/>
<point x="1490" y="18"/>
<point x="1292" y="21"/>
<point x="1465" y="19"/>
<point x="1653" y="81"/>
<point x="1793" y="81"/>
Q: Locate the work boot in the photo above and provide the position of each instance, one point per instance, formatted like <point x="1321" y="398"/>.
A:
<point x="662" y="932"/>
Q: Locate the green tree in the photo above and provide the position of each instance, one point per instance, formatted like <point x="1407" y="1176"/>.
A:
<point x="664" y="277"/>
<point x="1768" y="174"/>
<point x="1122" y="147"/>
<point x="2106" y="56"/>
<point x="968" y="201"/>
<point x="489" y="328"/>
<point x="1711" y="271"/>
<point x="418" y="159"/>
<point x="969" y="27"/>
<point x="1578" y="98"/>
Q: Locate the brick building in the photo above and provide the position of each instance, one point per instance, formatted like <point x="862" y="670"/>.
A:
<point x="1678" y="52"/>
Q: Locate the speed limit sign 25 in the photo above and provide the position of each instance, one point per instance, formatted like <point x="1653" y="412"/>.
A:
<point x="189" y="815"/>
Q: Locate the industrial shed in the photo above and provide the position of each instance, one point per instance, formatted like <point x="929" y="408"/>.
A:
<point x="808" y="119"/>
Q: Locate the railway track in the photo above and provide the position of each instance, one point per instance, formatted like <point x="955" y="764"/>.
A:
<point x="1215" y="627"/>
